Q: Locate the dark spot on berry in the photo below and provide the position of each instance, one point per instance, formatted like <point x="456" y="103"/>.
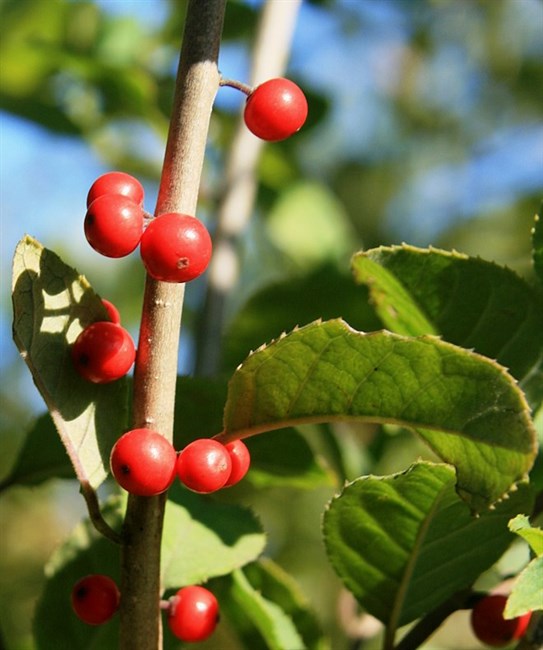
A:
<point x="90" y="219"/>
<point x="84" y="359"/>
<point x="182" y="262"/>
<point x="125" y="469"/>
<point x="81" y="592"/>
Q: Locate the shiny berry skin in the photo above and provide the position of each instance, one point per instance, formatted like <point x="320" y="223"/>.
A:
<point x="143" y="462"/>
<point x="114" y="225"/>
<point x="275" y="110"/>
<point x="112" y="311"/>
<point x="175" y="248"/>
<point x="116" y="183"/>
<point x="204" y="465"/>
<point x="103" y="352"/>
<point x="241" y="461"/>
<point x="193" y="614"/>
<point x="489" y="625"/>
<point x="95" y="598"/>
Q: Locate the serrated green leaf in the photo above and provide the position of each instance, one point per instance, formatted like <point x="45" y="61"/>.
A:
<point x="527" y="594"/>
<point x="537" y="244"/>
<point x="203" y="538"/>
<point x="83" y="553"/>
<point x="470" y="302"/>
<point x="404" y="543"/>
<point x="465" y="406"/>
<point x="41" y="457"/>
<point x="534" y="536"/>
<point x="52" y="303"/>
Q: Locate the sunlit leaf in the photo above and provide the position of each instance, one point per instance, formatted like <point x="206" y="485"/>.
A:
<point x="468" y="409"/>
<point x="534" y="536"/>
<point x="405" y="543"/>
<point x="52" y="303"/>
<point x="470" y="302"/>
<point x="527" y="594"/>
<point x="203" y="538"/>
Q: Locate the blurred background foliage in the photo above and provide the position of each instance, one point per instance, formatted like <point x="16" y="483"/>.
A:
<point x="425" y="126"/>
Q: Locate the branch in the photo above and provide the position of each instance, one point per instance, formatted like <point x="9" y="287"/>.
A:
<point x="156" y="362"/>
<point x="270" y="54"/>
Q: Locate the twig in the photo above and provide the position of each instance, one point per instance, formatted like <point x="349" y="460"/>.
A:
<point x="156" y="363"/>
<point x="95" y="514"/>
<point x="270" y="54"/>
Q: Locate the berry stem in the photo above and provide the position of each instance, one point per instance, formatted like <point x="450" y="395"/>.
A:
<point x="156" y="362"/>
<point x="236" y="202"/>
<point x="95" y="514"/>
<point x="239" y="85"/>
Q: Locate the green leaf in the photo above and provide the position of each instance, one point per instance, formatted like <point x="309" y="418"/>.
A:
<point x="274" y="625"/>
<point x="537" y="244"/>
<point x="41" y="457"/>
<point x="285" y="458"/>
<point x="52" y="303"/>
<point x="405" y="543"/>
<point x="216" y="538"/>
<point x="527" y="594"/>
<point x="534" y="536"/>
<point x="470" y="302"/>
<point x="468" y="409"/>
<point x="84" y="552"/>
<point x="270" y="580"/>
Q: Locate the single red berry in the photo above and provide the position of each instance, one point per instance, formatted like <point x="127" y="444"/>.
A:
<point x="95" y="598"/>
<point x="204" y="465"/>
<point x="175" y="248"/>
<point x="193" y="614"/>
<point x="112" y="311"/>
<point x="241" y="460"/>
<point x="103" y="352"/>
<point x="489" y="625"/>
<point x="275" y="110"/>
<point x="143" y="462"/>
<point x="114" y="225"/>
<point x="116" y="183"/>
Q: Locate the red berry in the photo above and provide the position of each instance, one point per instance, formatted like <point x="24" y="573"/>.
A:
<point x="241" y="460"/>
<point x="193" y="614"/>
<point x="275" y="110"/>
<point x="116" y="183"/>
<point x="114" y="225"/>
<point x="489" y="625"/>
<point x="112" y="311"/>
<point x="143" y="462"/>
<point x="175" y="248"/>
<point x="103" y="352"/>
<point x="95" y="599"/>
<point x="204" y="465"/>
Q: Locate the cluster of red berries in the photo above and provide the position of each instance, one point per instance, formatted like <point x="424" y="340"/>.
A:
<point x="174" y="247"/>
<point x="193" y="612"/>
<point x="490" y="626"/>
<point x="144" y="463"/>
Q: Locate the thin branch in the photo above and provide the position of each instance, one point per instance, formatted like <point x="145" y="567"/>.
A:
<point x="156" y="362"/>
<point x="95" y="514"/>
<point x="270" y="54"/>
